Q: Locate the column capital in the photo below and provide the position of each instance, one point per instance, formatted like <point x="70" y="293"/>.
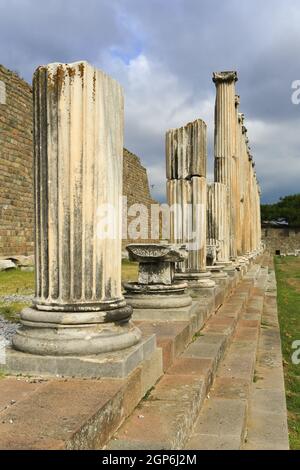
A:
<point x="237" y="101"/>
<point x="225" y="77"/>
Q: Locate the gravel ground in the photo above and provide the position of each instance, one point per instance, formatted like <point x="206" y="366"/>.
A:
<point x="16" y="298"/>
<point x="7" y="329"/>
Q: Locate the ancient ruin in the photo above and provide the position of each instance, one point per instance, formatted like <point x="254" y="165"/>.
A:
<point x="154" y="362"/>
<point x="186" y="156"/>
<point x="79" y="309"/>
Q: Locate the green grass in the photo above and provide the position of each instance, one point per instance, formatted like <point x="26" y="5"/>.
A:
<point x="2" y="374"/>
<point x="129" y="270"/>
<point x="20" y="282"/>
<point x="196" y="336"/>
<point x="16" y="281"/>
<point x="288" y="285"/>
<point x="11" y="311"/>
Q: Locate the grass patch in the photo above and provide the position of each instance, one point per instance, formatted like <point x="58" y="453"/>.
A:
<point x="129" y="270"/>
<point x="288" y="300"/>
<point x="148" y="393"/>
<point x="16" y="281"/>
<point x="196" y="336"/>
<point x="256" y="377"/>
<point x="20" y="282"/>
<point x="11" y="311"/>
<point x="2" y="374"/>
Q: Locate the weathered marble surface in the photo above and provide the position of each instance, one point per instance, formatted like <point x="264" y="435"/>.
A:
<point x="225" y="146"/>
<point x="186" y="156"/>
<point x="186" y="151"/>
<point x="234" y="216"/>
<point x="78" y="134"/>
<point x="157" y="286"/>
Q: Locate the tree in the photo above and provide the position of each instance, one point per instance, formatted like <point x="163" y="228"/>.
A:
<point x="287" y="207"/>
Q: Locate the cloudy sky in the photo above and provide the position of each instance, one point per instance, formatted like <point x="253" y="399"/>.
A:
<point x="164" y="52"/>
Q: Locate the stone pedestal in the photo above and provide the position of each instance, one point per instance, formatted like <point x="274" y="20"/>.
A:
<point x="157" y="295"/>
<point x="78" y="309"/>
<point x="199" y="284"/>
<point x="217" y="220"/>
<point x="219" y="275"/>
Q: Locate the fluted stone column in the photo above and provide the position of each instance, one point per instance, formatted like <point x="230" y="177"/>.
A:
<point x="186" y="158"/>
<point x="237" y="179"/>
<point x="225" y="145"/>
<point x="78" y="308"/>
<point x="241" y="250"/>
<point x="259" y="217"/>
<point x="216" y="223"/>
<point x="245" y="193"/>
<point x="217" y="219"/>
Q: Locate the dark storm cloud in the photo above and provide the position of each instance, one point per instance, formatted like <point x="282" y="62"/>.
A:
<point x="164" y="52"/>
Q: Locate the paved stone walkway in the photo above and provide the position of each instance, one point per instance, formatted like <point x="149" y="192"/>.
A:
<point x="246" y="408"/>
<point x="222" y="389"/>
<point x="267" y="417"/>
<point x="211" y="380"/>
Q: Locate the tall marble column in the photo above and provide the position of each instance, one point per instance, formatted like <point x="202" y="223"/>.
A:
<point x="237" y="178"/>
<point x="78" y="308"/>
<point x="217" y="220"/>
<point x="225" y="145"/>
<point x="259" y="217"/>
<point x="245" y="190"/>
<point x="186" y="157"/>
<point x="241" y="250"/>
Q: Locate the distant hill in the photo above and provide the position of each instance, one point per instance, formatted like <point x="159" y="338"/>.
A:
<point x="284" y="212"/>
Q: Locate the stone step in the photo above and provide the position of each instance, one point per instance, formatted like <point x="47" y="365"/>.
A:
<point x="85" y="413"/>
<point x="166" y="417"/>
<point x="267" y="418"/>
<point x="70" y="413"/>
<point x="223" y="422"/>
<point x="174" y="336"/>
<point x="110" y="402"/>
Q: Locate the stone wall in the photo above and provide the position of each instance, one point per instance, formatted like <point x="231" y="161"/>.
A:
<point x="16" y="173"/>
<point x="284" y="239"/>
<point x="136" y="189"/>
<point x="16" y="179"/>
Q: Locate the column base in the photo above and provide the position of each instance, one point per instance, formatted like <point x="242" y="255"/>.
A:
<point x="74" y="333"/>
<point x="157" y="295"/>
<point x="118" y="364"/>
<point x="243" y="264"/>
<point x="219" y="275"/>
<point x="199" y="284"/>
<point x="230" y="269"/>
<point x="157" y="302"/>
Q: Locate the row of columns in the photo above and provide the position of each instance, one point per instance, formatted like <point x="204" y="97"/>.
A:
<point x="237" y="220"/>
<point x="231" y="203"/>
<point x="79" y="308"/>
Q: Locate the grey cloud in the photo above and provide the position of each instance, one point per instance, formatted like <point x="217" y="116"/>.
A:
<point x="183" y="42"/>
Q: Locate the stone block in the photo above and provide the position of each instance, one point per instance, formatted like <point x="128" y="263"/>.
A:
<point x="222" y="417"/>
<point x="117" y="364"/>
